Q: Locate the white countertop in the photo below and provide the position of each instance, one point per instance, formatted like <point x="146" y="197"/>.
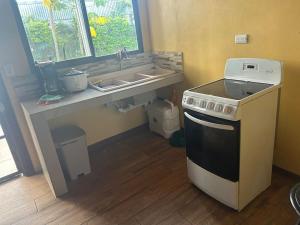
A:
<point x="93" y="98"/>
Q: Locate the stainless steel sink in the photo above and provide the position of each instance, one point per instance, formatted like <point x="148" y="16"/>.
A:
<point x="110" y="85"/>
<point x="122" y="81"/>
<point x="157" y="72"/>
<point x="135" y="78"/>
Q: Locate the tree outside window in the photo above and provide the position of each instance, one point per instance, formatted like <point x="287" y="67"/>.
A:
<point x="55" y="28"/>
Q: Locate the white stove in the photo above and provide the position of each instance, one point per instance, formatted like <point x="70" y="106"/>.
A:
<point x="230" y="130"/>
<point x="244" y="79"/>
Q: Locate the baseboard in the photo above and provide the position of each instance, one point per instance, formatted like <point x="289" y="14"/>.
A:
<point x="285" y="172"/>
<point x="118" y="137"/>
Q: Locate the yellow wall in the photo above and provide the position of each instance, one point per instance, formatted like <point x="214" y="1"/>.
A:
<point x="99" y="123"/>
<point x="204" y="30"/>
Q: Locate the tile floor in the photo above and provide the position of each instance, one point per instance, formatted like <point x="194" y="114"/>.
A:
<point x="7" y="163"/>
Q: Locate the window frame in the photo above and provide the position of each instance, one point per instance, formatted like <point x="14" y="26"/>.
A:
<point x="82" y="60"/>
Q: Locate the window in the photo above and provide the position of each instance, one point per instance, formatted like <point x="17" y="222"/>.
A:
<point x="64" y="30"/>
<point x="112" y="25"/>
<point x="54" y="29"/>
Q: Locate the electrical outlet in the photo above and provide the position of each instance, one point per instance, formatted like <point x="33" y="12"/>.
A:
<point x="241" y="39"/>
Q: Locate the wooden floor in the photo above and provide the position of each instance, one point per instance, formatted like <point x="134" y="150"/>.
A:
<point x="140" y="180"/>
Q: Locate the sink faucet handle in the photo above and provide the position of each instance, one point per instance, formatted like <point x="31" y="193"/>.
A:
<point x="119" y="54"/>
<point x="125" y="52"/>
<point x="122" y="53"/>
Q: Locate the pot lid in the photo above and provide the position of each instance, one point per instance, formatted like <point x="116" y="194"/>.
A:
<point x="74" y="72"/>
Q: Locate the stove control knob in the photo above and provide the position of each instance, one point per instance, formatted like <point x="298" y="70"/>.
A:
<point x="203" y="104"/>
<point x="219" y="108"/>
<point x="190" y="101"/>
<point x="211" y="106"/>
<point x="228" y="110"/>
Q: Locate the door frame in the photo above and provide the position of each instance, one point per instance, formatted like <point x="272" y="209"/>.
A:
<point x="13" y="135"/>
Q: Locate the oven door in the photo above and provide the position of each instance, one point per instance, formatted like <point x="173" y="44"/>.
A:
<point x="213" y="144"/>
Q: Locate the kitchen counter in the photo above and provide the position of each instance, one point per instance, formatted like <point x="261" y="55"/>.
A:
<point x="37" y="117"/>
<point x="93" y="98"/>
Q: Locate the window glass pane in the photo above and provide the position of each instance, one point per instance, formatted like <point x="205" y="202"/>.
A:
<point x="54" y="29"/>
<point x="112" y="25"/>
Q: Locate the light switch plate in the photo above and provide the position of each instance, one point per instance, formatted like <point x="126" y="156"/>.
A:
<point x="241" y="39"/>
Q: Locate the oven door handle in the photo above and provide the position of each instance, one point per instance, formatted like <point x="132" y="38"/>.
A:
<point x="209" y="124"/>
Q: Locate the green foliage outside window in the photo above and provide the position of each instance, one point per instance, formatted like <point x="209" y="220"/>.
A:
<point x="42" y="44"/>
<point x="40" y="39"/>
<point x="59" y="40"/>
<point x="110" y="34"/>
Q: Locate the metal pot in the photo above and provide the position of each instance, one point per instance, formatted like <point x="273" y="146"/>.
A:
<point x="75" y="81"/>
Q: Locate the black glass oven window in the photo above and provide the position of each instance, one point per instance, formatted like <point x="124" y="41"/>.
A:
<point x="233" y="89"/>
<point x="215" y="150"/>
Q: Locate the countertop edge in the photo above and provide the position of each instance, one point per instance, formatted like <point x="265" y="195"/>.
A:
<point x="65" y="107"/>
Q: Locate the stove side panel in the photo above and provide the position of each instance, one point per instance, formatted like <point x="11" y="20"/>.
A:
<point x="258" y="125"/>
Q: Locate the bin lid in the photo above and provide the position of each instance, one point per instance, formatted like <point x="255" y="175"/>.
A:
<point x="66" y="133"/>
<point x="161" y="106"/>
<point x="164" y="109"/>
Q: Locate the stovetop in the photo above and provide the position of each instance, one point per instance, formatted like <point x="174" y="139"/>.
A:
<point x="244" y="79"/>
<point x="232" y="89"/>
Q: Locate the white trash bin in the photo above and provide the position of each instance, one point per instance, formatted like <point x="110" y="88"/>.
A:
<point x="70" y="142"/>
<point x="163" y="118"/>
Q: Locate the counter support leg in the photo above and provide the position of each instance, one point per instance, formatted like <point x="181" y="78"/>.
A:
<point x="47" y="153"/>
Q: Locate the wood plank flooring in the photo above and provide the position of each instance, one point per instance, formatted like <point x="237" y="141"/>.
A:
<point x="139" y="180"/>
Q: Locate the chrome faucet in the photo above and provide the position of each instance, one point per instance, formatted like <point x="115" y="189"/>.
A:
<point x="122" y="54"/>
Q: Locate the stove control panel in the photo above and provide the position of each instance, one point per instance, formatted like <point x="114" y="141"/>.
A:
<point x="219" y="108"/>
<point x="229" y="110"/>
<point x="191" y="101"/>
<point x="209" y="106"/>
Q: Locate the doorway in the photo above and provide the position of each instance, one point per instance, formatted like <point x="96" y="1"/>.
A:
<point x="14" y="157"/>
<point x="8" y="167"/>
